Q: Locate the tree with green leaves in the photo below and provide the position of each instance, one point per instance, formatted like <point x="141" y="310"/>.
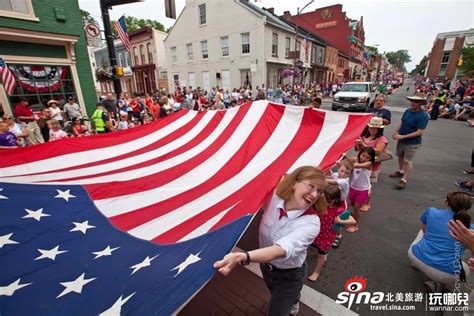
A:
<point x="467" y="66"/>
<point x="87" y="17"/>
<point x="399" y="58"/>
<point x="372" y="49"/>
<point x="134" y="24"/>
<point x="420" y="68"/>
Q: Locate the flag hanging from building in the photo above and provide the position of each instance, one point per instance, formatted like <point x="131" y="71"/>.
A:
<point x="8" y="78"/>
<point x="121" y="28"/>
<point x="305" y="44"/>
<point x="132" y="221"/>
<point x="363" y="58"/>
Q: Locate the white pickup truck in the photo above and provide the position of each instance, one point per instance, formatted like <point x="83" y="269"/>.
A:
<point x="354" y="96"/>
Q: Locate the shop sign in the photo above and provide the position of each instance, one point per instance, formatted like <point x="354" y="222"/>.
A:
<point x="325" y="25"/>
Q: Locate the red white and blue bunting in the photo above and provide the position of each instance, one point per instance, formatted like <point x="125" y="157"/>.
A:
<point x="40" y="78"/>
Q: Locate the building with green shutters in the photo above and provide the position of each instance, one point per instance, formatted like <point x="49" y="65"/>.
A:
<point x="44" y="45"/>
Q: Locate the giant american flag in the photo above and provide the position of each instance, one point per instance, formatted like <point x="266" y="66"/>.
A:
<point x="166" y="199"/>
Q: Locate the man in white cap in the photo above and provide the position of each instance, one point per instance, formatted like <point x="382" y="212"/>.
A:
<point x="408" y="134"/>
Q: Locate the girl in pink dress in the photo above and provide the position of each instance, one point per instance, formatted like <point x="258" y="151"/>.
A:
<point x="327" y="234"/>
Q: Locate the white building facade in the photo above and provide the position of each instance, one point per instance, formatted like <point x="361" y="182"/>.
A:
<point x="230" y="44"/>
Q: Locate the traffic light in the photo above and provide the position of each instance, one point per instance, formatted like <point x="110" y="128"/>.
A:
<point x="460" y="61"/>
<point x="119" y="71"/>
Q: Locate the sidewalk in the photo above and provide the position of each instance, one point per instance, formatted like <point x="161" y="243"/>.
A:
<point x="240" y="293"/>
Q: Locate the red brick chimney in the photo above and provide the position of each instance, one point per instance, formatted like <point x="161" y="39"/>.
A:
<point x="271" y="10"/>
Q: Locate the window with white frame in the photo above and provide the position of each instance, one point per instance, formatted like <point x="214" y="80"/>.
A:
<point x="174" y="57"/>
<point x="314" y="52"/>
<point x="202" y="14"/>
<point x="287" y="46"/>
<point x="127" y="60"/>
<point x="225" y="46"/>
<point x="245" y="43"/>
<point x="321" y="55"/>
<point x="189" y="50"/>
<point x="120" y="59"/>
<point x="205" y="52"/>
<point x="274" y="44"/>
<point x="21" y="9"/>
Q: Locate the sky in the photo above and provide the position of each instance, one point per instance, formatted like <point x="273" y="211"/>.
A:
<point x="392" y="25"/>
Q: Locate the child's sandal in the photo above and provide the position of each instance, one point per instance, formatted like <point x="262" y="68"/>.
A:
<point x="337" y="242"/>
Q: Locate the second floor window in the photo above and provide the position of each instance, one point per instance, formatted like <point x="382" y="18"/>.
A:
<point x="245" y="43"/>
<point x="174" y="57"/>
<point x="313" y="53"/>
<point x="225" y="46"/>
<point x="142" y="54"/>
<point x="150" y="55"/>
<point x="445" y="56"/>
<point x="189" y="50"/>
<point x="135" y="55"/>
<point x="287" y="46"/>
<point x="274" y="44"/>
<point x="127" y="59"/>
<point x="120" y="61"/>
<point x="202" y="14"/>
<point x="321" y="55"/>
<point x="205" y="53"/>
<point x="17" y="9"/>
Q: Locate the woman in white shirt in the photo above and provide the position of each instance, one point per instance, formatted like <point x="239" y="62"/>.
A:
<point x="288" y="226"/>
<point x="56" y="113"/>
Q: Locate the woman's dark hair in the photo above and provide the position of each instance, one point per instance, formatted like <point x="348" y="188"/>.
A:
<point x="333" y="195"/>
<point x="460" y="203"/>
<point x="366" y="132"/>
<point x="74" y="120"/>
<point x="370" y="151"/>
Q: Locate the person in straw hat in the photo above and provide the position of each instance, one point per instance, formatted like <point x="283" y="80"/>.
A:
<point x="409" y="137"/>
<point x="373" y="137"/>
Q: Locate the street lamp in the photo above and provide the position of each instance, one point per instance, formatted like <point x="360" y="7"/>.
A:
<point x="298" y="12"/>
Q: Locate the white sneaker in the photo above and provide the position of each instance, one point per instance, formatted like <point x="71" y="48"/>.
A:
<point x="294" y="309"/>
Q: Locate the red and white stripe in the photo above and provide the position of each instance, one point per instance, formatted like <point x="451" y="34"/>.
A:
<point x="123" y="35"/>
<point x="190" y="172"/>
<point x="8" y="79"/>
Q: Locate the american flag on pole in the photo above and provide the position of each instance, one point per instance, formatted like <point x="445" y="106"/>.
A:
<point x="8" y="78"/>
<point x="363" y="58"/>
<point x="121" y="28"/>
<point x="305" y="44"/>
<point x="145" y="212"/>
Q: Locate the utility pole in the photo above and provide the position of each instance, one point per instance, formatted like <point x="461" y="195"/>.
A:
<point x="298" y="12"/>
<point x="104" y="8"/>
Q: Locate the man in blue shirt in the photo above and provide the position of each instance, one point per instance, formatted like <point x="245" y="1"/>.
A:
<point x="408" y="134"/>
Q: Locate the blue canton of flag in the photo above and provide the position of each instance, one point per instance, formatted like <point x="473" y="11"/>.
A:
<point x="60" y="256"/>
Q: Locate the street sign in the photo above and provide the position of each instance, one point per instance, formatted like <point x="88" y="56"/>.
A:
<point x="293" y="54"/>
<point x="93" y="35"/>
<point x="253" y="67"/>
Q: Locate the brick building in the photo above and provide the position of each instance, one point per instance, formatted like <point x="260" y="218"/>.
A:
<point x="445" y="53"/>
<point x="43" y="43"/>
<point x="332" y="25"/>
<point x="332" y="59"/>
<point x="148" y="60"/>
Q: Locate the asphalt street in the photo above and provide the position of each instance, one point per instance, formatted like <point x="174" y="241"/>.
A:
<point x="378" y="251"/>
